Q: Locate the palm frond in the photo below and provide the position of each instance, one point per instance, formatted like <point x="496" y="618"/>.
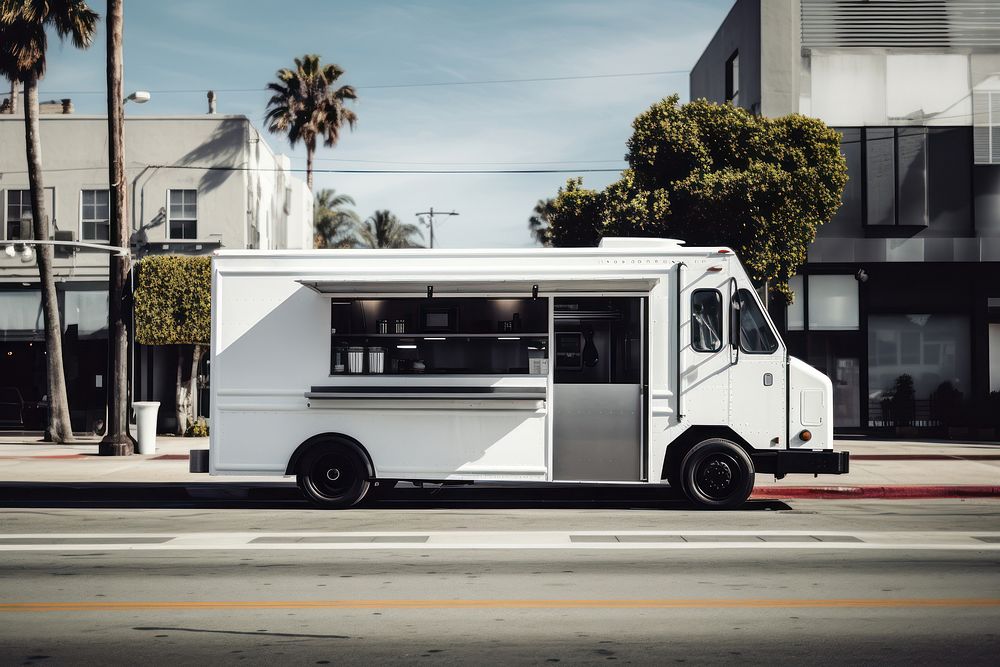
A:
<point x="23" y="40"/>
<point x="384" y="230"/>
<point x="305" y="108"/>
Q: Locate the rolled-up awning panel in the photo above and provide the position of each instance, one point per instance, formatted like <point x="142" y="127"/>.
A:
<point x="446" y="285"/>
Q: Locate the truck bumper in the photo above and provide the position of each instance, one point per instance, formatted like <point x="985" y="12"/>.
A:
<point x="785" y="461"/>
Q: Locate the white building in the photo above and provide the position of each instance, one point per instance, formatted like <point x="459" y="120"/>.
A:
<point x="195" y="183"/>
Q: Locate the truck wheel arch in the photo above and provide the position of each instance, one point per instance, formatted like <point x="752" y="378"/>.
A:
<point x="683" y="443"/>
<point x="331" y="439"/>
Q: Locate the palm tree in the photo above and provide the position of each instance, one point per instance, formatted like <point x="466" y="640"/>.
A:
<point x="541" y="219"/>
<point x="385" y="230"/>
<point x="335" y="224"/>
<point x="306" y="107"/>
<point x="23" y="44"/>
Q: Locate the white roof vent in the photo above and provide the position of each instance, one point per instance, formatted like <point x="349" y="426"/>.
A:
<point x="628" y="242"/>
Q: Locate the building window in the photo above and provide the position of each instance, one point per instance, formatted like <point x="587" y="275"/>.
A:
<point x="706" y="320"/>
<point x="95" y="215"/>
<point x="833" y="303"/>
<point x="182" y="214"/>
<point x="933" y="350"/>
<point x="896" y="176"/>
<point x="18" y="202"/>
<point x="986" y="126"/>
<point x="795" y="315"/>
<point x="733" y="79"/>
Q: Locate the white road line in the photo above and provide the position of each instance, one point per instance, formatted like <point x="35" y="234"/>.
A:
<point x="442" y="540"/>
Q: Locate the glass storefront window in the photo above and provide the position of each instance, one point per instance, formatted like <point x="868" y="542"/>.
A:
<point x="833" y="303"/>
<point x="21" y="315"/>
<point x="86" y="309"/>
<point x="931" y="349"/>
<point x="796" y="316"/>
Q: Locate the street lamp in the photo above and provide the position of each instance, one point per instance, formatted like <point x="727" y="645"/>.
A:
<point x="139" y="97"/>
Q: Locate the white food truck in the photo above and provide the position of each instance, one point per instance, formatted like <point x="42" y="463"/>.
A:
<point x="639" y="361"/>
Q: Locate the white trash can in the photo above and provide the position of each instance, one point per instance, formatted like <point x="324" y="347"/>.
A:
<point x="145" y="418"/>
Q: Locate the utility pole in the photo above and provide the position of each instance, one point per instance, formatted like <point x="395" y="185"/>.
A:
<point x="116" y="440"/>
<point x="430" y="213"/>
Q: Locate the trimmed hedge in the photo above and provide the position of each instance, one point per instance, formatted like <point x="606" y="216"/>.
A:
<point x="173" y="300"/>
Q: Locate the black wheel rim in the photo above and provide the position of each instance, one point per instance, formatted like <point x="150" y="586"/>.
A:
<point x="333" y="475"/>
<point x="718" y="476"/>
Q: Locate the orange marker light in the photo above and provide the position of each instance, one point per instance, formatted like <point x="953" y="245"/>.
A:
<point x="806" y="435"/>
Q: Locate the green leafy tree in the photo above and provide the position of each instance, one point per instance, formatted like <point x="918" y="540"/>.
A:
<point x="306" y="106"/>
<point x="23" y="46"/>
<point x="384" y="230"/>
<point x="336" y="225"/>
<point x="540" y="220"/>
<point x="173" y="306"/>
<point x="577" y="215"/>
<point x="717" y="175"/>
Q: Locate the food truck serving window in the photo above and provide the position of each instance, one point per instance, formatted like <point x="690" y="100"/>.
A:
<point x="706" y="320"/>
<point x="756" y="336"/>
<point x="440" y="335"/>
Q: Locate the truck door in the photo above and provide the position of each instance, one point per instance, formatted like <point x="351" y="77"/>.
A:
<point x="757" y="391"/>
<point x="703" y="355"/>
<point x="597" y="395"/>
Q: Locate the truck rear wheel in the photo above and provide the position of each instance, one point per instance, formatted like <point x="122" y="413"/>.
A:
<point x="333" y="476"/>
<point x="717" y="474"/>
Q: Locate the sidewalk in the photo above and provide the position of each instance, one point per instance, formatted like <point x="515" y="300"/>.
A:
<point x="887" y="469"/>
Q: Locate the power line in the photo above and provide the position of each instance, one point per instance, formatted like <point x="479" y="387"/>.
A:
<point x="393" y="171"/>
<point x="388" y="86"/>
<point x="443" y="162"/>
<point x="344" y="171"/>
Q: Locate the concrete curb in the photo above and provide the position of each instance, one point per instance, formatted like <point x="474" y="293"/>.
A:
<point x="895" y="492"/>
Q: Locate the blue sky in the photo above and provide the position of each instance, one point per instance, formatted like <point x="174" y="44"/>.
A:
<point x="239" y="44"/>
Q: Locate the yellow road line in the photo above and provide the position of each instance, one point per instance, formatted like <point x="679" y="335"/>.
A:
<point x="501" y="604"/>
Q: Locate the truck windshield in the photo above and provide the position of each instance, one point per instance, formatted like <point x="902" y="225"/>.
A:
<point x="756" y="336"/>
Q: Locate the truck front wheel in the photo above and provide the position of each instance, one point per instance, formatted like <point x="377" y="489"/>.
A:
<point x="717" y="474"/>
<point x="333" y="476"/>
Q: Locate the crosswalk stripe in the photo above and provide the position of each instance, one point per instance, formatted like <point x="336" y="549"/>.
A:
<point x="461" y="539"/>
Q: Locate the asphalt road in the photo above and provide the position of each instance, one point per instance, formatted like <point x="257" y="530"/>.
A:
<point x="452" y="577"/>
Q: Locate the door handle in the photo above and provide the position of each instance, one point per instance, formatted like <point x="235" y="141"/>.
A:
<point x="768" y="379"/>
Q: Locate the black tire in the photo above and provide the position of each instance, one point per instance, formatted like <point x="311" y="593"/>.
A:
<point x="333" y="475"/>
<point x="717" y="474"/>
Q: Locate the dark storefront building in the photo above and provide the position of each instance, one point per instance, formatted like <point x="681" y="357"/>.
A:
<point x="896" y="284"/>
<point x="83" y="310"/>
<point x="899" y="301"/>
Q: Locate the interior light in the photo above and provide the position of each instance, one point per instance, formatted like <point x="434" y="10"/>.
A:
<point x="436" y="338"/>
<point x="406" y="347"/>
<point x="508" y="338"/>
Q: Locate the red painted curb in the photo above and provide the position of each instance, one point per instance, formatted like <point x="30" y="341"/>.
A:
<point x="900" y="492"/>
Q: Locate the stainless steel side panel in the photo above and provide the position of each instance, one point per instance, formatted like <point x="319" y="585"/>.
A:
<point x="596" y="432"/>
